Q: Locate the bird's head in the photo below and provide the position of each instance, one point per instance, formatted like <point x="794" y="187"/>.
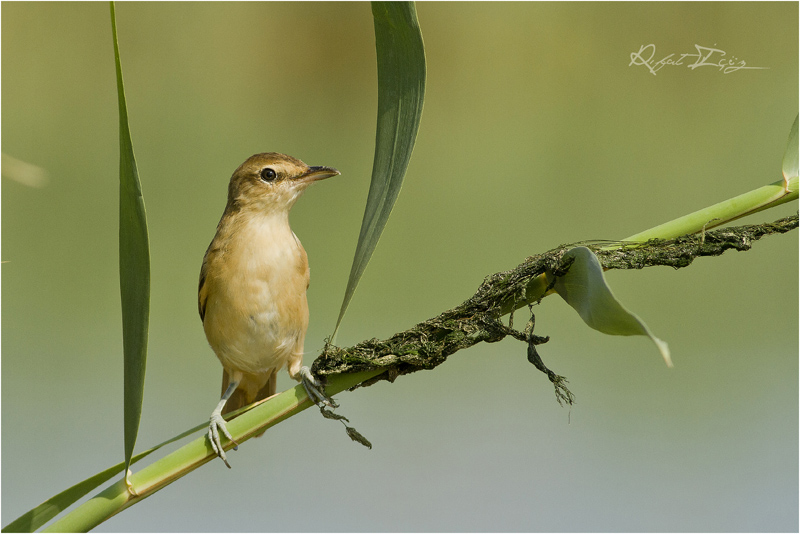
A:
<point x="272" y="182"/>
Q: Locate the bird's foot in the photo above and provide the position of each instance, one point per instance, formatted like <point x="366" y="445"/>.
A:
<point x="217" y="424"/>
<point x="314" y="389"/>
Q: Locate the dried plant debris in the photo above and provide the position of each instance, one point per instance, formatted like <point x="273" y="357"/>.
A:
<point x="478" y="319"/>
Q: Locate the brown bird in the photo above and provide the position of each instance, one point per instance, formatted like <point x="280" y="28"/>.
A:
<point x="252" y="294"/>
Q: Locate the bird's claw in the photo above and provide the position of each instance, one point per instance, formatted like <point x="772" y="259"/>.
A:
<point x="216" y="424"/>
<point x="313" y="389"/>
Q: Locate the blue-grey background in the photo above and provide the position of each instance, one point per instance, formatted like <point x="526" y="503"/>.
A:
<point x="536" y="132"/>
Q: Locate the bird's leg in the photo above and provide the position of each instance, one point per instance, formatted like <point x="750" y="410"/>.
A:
<point x="312" y="387"/>
<point x="217" y="423"/>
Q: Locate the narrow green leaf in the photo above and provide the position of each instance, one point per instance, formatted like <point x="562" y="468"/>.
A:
<point x="401" y="91"/>
<point x="134" y="267"/>
<point x="37" y="517"/>
<point x="790" y="163"/>
<point x="584" y="288"/>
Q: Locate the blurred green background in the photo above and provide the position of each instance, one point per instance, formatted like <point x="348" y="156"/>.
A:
<point x="535" y="132"/>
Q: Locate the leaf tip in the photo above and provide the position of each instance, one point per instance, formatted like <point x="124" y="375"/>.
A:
<point x="663" y="348"/>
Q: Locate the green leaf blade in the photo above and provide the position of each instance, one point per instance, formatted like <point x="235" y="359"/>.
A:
<point x="401" y="92"/>
<point x="134" y="267"/>
<point x="585" y="289"/>
<point x="37" y="517"/>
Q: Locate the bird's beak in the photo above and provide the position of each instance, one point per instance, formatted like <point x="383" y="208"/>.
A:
<point x="317" y="173"/>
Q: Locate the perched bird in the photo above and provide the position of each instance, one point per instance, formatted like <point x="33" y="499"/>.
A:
<point x="252" y="294"/>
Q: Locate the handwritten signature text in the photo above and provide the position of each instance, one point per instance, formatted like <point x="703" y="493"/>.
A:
<point x="703" y="57"/>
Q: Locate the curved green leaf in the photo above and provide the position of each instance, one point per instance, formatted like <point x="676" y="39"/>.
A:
<point x="401" y="91"/>
<point x="134" y="267"/>
<point x="584" y="288"/>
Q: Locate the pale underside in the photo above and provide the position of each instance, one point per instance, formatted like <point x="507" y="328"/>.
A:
<point x="256" y="309"/>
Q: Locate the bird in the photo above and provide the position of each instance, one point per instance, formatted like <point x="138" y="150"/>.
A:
<point x="253" y="282"/>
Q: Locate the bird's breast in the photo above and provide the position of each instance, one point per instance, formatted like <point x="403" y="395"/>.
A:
<point x="257" y="312"/>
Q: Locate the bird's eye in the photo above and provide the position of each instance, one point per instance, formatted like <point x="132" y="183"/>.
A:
<point x="268" y="174"/>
